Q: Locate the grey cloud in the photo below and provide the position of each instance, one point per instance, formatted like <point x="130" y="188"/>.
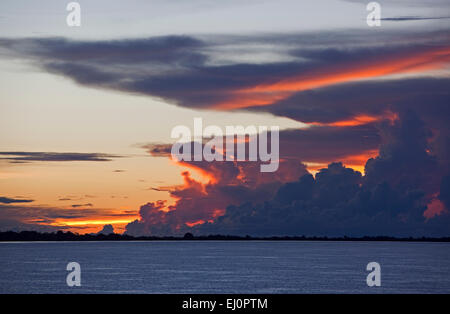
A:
<point x="16" y="225"/>
<point x="8" y="200"/>
<point x="49" y="214"/>
<point x="412" y="18"/>
<point x="184" y="70"/>
<point x="334" y="103"/>
<point x="164" y="49"/>
<point x="82" y="205"/>
<point x="106" y="230"/>
<point x="52" y="156"/>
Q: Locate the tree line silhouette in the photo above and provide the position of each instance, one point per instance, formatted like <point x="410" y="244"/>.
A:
<point x="70" y="236"/>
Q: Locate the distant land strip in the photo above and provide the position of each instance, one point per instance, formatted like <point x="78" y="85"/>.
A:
<point x="10" y="236"/>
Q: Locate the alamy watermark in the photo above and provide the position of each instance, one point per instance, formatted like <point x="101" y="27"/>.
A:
<point x="374" y="17"/>
<point x="373" y="279"/>
<point x="74" y="17"/>
<point x="73" y="278"/>
<point x="214" y="144"/>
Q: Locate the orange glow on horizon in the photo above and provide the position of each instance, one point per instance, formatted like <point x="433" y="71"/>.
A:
<point x="88" y="222"/>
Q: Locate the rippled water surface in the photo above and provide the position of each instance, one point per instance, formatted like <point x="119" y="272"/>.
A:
<point x="224" y="267"/>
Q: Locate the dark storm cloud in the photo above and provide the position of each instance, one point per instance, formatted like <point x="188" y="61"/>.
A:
<point x="335" y="203"/>
<point x="203" y="86"/>
<point x="51" y="156"/>
<point x="404" y="159"/>
<point x="8" y="200"/>
<point x="399" y="186"/>
<point x="328" y="143"/>
<point x="191" y="72"/>
<point x="335" y="103"/>
<point x="390" y="199"/>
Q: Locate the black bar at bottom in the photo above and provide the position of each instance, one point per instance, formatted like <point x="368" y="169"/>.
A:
<point x="202" y="303"/>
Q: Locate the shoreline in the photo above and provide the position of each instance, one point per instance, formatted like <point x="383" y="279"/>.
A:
<point x="33" y="236"/>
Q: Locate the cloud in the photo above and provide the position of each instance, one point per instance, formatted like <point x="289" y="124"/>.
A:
<point x="402" y="192"/>
<point x="384" y="100"/>
<point x="412" y="18"/>
<point x="199" y="201"/>
<point x="329" y="143"/>
<point x="38" y="217"/>
<point x="158" y="150"/>
<point x="319" y="143"/>
<point x="400" y="185"/>
<point x="227" y="183"/>
<point x="194" y="72"/>
<point x="82" y="205"/>
<point x="332" y="204"/>
<point x="107" y="229"/>
<point x="367" y="98"/>
<point x="158" y="50"/>
<point x="8" y="200"/>
<point x="15" y="157"/>
<point x="444" y="191"/>
<point x="152" y="220"/>
<point x="16" y="225"/>
<point x="321" y="78"/>
<point x="330" y="71"/>
<point x="403" y="159"/>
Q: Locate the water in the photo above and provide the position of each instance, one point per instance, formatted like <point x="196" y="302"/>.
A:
<point x="225" y="267"/>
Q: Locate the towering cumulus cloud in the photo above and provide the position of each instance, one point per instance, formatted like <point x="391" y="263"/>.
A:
<point x="392" y="198"/>
<point x="197" y="203"/>
<point x="373" y="157"/>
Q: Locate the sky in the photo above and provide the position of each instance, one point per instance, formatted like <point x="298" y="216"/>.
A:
<point x="86" y="115"/>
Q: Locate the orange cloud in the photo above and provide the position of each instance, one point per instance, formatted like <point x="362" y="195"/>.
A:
<point x="205" y="175"/>
<point x="434" y="208"/>
<point x="195" y="223"/>
<point x="361" y="120"/>
<point x="267" y="94"/>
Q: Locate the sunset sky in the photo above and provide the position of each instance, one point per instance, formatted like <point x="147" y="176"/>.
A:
<point x="86" y="115"/>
